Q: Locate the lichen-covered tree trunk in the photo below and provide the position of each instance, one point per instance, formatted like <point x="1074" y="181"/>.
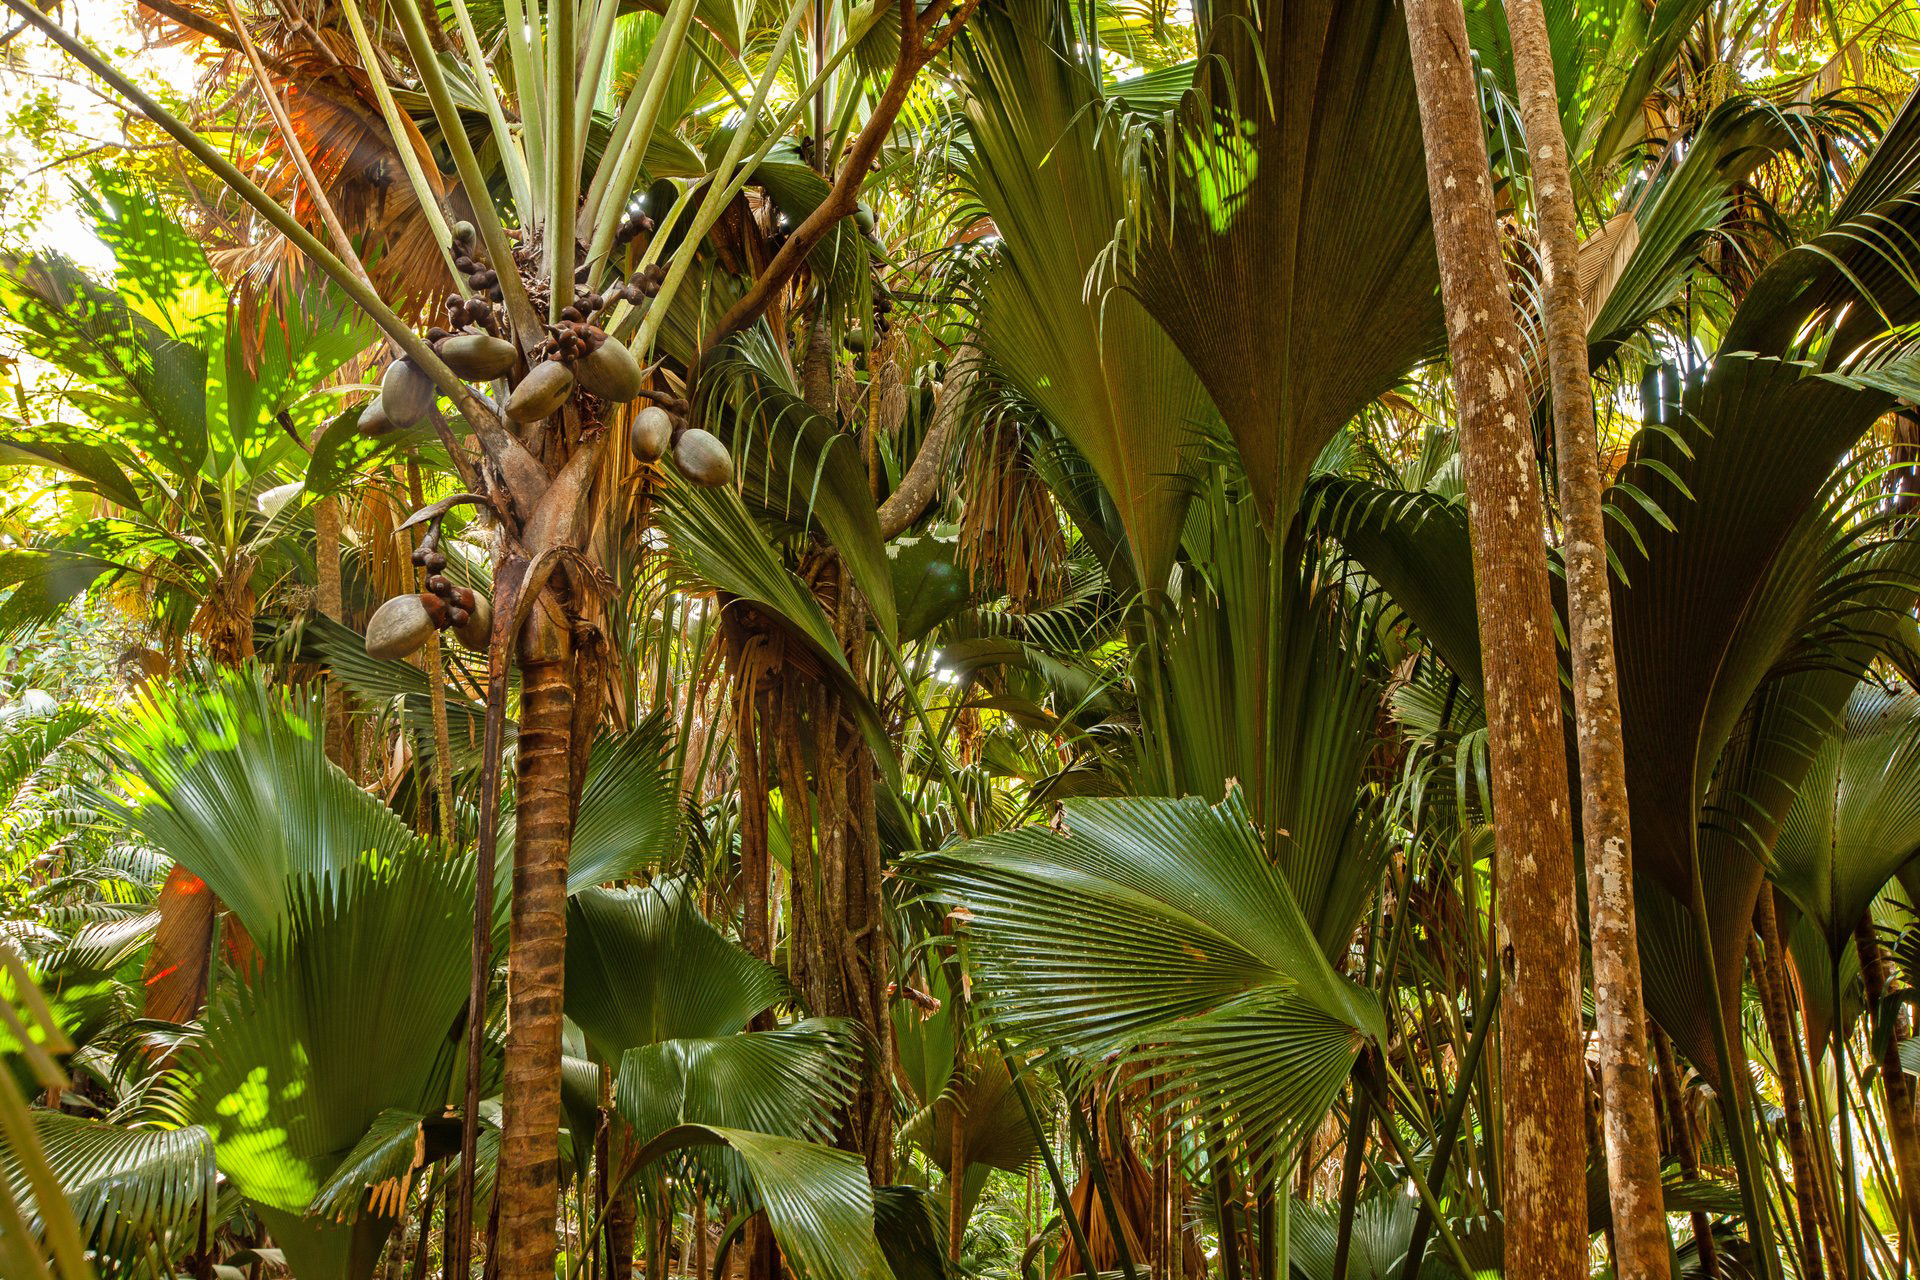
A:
<point x="1640" y="1244"/>
<point x="529" y="1176"/>
<point x="1544" y="1186"/>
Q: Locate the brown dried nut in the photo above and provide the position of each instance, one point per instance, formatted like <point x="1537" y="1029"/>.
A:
<point x="440" y="586"/>
<point x="544" y="389"/>
<point x="373" y="418"/>
<point x="479" y="356"/>
<point x="610" y="371"/>
<point x="406" y="393"/>
<point x="702" y="458"/>
<point x="650" y="433"/>
<point x="399" y="627"/>
<point x="475" y="631"/>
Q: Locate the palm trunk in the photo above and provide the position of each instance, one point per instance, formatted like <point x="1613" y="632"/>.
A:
<point x="1816" y="1226"/>
<point x="1683" y="1152"/>
<point x="529" y="1141"/>
<point x="1902" y="1133"/>
<point x="1626" y="1086"/>
<point x="1545" y="1149"/>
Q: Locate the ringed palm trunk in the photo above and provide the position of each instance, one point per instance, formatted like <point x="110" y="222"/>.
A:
<point x="1640" y="1244"/>
<point x="1902" y="1133"/>
<point x="529" y="1180"/>
<point x="1544" y="1184"/>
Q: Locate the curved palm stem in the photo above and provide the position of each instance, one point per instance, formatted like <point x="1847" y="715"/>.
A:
<point x="423" y="192"/>
<point x="526" y="325"/>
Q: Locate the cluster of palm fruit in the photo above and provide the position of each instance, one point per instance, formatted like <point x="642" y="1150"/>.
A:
<point x="577" y="355"/>
<point x="401" y="626"/>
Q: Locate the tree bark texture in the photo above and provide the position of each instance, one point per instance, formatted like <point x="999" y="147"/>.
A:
<point x="1544" y="1191"/>
<point x="1815" y="1223"/>
<point x="1902" y="1134"/>
<point x="1680" y="1123"/>
<point x="1626" y="1086"/>
<point x="529" y="1144"/>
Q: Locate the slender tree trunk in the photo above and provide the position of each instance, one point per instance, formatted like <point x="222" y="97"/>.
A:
<point x="1626" y="1086"/>
<point x="329" y="600"/>
<point x="1545" y="1149"/>
<point x="1683" y="1151"/>
<point x="529" y="1141"/>
<point x="1902" y="1133"/>
<point x="1816" y="1225"/>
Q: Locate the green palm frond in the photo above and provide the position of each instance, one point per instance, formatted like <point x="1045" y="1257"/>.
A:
<point x="128" y="1189"/>
<point x="1263" y="687"/>
<point x="1861" y="276"/>
<point x="1287" y="248"/>
<point x="629" y="815"/>
<point x="352" y="1016"/>
<point x="788" y="1080"/>
<point x="643" y="966"/>
<point x="713" y="539"/>
<point x="1856" y="821"/>
<point x="817" y="1199"/>
<point x="1160" y="930"/>
<point x="376" y="1174"/>
<point x="799" y="467"/>
<point x="1096" y="365"/>
<point x="1682" y="210"/>
<point x="232" y="780"/>
<point x="1414" y="544"/>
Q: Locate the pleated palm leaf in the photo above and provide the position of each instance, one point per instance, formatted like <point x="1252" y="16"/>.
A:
<point x="361" y="932"/>
<point x="1053" y="181"/>
<point x="351" y="1026"/>
<point x="1856" y="821"/>
<point x="1285" y="245"/>
<point x="1719" y="590"/>
<point x="129" y="1190"/>
<point x="1264" y="682"/>
<point x="1161" y="931"/>
<point x="231" y="779"/>
<point x="664" y="1000"/>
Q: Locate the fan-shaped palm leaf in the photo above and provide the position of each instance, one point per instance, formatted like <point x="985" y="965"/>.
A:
<point x="1288" y="250"/>
<point x="1261" y="687"/>
<point x="788" y="1080"/>
<point x="352" y="1016"/>
<point x="1099" y="367"/>
<point x="128" y="1189"/>
<point x="643" y="966"/>
<point x="1161" y="930"/>
<point x="232" y="780"/>
<point x="816" y="1198"/>
<point x="1856" y="820"/>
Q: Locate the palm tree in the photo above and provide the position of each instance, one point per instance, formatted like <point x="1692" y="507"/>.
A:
<point x="1539" y="943"/>
<point x="1640" y="1245"/>
<point x="195" y="497"/>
